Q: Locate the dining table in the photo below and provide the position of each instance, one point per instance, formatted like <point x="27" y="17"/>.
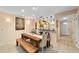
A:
<point x="33" y="38"/>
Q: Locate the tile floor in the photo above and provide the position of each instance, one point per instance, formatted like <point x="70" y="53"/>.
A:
<point x="61" y="47"/>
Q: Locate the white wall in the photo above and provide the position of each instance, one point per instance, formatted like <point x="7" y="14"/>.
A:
<point x="8" y="34"/>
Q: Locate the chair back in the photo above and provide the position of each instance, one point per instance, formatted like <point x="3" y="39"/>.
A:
<point x="44" y="40"/>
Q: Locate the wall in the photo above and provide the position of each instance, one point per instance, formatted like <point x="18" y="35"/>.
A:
<point x="8" y="34"/>
<point x="74" y="25"/>
<point x="58" y="17"/>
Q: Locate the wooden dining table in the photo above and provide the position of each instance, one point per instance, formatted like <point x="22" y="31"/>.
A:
<point x="34" y="37"/>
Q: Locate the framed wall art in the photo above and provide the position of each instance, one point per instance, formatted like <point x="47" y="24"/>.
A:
<point x="19" y="23"/>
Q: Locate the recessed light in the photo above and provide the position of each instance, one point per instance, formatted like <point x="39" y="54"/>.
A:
<point x="33" y="15"/>
<point x="22" y="10"/>
<point x="64" y="18"/>
<point x="33" y="7"/>
<point x="65" y="23"/>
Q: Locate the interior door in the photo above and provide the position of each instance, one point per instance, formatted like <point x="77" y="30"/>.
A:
<point x="77" y="31"/>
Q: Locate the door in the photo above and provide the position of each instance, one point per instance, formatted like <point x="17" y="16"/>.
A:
<point x="77" y="31"/>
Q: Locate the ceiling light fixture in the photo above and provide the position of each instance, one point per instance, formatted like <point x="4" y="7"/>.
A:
<point x="22" y="10"/>
<point x="65" y="18"/>
<point x="65" y="23"/>
<point x="34" y="8"/>
<point x="33" y="15"/>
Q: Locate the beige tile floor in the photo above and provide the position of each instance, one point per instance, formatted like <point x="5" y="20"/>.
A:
<point x="64" y="45"/>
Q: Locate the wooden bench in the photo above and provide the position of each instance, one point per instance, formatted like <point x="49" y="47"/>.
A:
<point x="26" y="45"/>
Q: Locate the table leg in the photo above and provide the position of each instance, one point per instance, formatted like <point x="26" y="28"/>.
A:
<point x="16" y="43"/>
<point x="48" y="43"/>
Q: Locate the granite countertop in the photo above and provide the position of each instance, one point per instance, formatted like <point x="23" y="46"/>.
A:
<point x="47" y="30"/>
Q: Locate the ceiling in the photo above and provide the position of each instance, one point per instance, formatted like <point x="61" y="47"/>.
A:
<point x="40" y="11"/>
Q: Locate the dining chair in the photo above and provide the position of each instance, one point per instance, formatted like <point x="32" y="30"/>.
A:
<point x="43" y="41"/>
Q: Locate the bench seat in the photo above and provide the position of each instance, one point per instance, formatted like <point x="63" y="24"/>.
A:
<point x="26" y="45"/>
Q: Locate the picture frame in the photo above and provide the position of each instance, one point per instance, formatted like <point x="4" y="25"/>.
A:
<point x="19" y="23"/>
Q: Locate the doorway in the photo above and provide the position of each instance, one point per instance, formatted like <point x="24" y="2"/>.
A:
<point x="65" y="40"/>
